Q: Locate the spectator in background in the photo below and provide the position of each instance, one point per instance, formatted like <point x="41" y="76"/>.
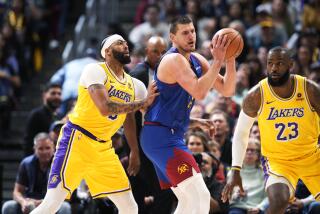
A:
<point x="40" y="118"/>
<point x="9" y="81"/>
<point x="256" y="71"/>
<point x="310" y="15"/>
<point x="242" y="83"/>
<point x="240" y="27"/>
<point x="54" y="130"/>
<point x="209" y="167"/>
<point x="197" y="142"/>
<point x="68" y="77"/>
<point x="304" y="202"/>
<point x="255" y="131"/>
<point x="221" y="135"/>
<point x="31" y="182"/>
<point x="152" y="26"/>
<point x="264" y="19"/>
<point x="315" y="72"/>
<point x="303" y="61"/>
<point x="254" y="200"/>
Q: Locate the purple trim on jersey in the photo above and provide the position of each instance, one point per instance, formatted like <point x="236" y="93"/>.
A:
<point x="85" y="132"/>
<point x="264" y="163"/>
<point x="61" y="157"/>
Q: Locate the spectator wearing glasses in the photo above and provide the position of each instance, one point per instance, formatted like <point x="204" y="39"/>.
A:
<point x="254" y="199"/>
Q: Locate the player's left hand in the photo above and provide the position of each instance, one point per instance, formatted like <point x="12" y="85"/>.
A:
<point x="134" y="163"/>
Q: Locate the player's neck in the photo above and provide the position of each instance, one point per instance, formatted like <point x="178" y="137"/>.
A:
<point x="183" y="53"/>
<point x="115" y="67"/>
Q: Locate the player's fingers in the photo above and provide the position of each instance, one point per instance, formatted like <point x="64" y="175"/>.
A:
<point x="225" y="192"/>
<point x="224" y="41"/>
<point x="220" y="38"/>
<point x="214" y="40"/>
<point x="241" y="189"/>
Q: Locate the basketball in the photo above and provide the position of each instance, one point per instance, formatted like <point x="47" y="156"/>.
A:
<point x="236" y="45"/>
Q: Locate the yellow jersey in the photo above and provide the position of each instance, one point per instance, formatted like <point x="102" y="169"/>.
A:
<point x="87" y="115"/>
<point x="289" y="127"/>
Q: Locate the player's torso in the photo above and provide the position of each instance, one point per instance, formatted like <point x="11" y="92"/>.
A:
<point x="172" y="107"/>
<point x="289" y="128"/>
<point x="87" y="115"/>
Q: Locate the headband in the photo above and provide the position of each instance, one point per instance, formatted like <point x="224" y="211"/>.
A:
<point x="107" y="42"/>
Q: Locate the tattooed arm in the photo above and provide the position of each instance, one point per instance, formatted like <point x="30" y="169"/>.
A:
<point x="100" y="97"/>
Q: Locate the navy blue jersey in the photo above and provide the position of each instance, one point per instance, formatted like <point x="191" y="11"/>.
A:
<point x="172" y="107"/>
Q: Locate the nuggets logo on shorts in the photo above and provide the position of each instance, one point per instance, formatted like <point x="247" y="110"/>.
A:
<point x="183" y="168"/>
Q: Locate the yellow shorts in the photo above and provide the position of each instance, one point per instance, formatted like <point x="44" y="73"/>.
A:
<point x="79" y="157"/>
<point x="307" y="169"/>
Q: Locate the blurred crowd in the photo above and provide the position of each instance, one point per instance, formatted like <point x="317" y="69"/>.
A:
<point x="263" y="24"/>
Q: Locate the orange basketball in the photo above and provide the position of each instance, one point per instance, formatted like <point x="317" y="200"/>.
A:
<point x="236" y="45"/>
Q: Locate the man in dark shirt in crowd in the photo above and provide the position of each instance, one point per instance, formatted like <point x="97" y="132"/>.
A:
<point x="31" y="182"/>
<point x="40" y="118"/>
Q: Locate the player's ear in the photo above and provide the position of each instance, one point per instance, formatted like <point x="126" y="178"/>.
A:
<point x="172" y="36"/>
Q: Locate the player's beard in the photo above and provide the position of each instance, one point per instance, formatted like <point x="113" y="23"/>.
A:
<point x="281" y="81"/>
<point x="121" y="57"/>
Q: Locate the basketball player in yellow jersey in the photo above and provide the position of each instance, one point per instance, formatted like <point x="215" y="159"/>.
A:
<point x="84" y="148"/>
<point x="287" y="108"/>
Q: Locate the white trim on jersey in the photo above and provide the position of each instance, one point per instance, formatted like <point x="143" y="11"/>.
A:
<point x="139" y="89"/>
<point x="92" y="73"/>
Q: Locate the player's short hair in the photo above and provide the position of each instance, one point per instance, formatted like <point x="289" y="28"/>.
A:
<point x="179" y="20"/>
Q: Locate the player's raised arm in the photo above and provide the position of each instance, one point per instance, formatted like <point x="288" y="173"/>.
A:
<point x="251" y="105"/>
<point x="176" y="68"/>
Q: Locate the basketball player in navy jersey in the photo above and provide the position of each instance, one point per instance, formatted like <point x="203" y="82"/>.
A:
<point x="181" y="77"/>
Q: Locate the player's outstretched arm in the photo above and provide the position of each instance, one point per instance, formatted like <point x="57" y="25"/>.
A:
<point x="251" y="105"/>
<point x="313" y="90"/>
<point x="100" y="97"/>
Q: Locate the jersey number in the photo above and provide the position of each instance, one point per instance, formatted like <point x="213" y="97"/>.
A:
<point x="113" y="117"/>
<point x="293" y="128"/>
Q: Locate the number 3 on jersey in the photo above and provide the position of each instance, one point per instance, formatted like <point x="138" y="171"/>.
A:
<point x="291" y="128"/>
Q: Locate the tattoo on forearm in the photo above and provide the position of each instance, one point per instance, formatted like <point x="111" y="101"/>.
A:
<point x="115" y="107"/>
<point x="119" y="108"/>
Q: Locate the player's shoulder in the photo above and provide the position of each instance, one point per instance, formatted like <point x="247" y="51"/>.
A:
<point x="252" y="101"/>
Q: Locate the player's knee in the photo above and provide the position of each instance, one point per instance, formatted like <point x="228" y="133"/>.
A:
<point x="279" y="196"/>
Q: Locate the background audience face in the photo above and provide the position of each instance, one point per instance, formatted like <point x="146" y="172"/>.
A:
<point x="255" y="132"/>
<point x="52" y="97"/>
<point x="156" y="47"/>
<point x="195" y="144"/>
<point x="220" y="123"/>
<point x="44" y="149"/>
<point x="252" y="154"/>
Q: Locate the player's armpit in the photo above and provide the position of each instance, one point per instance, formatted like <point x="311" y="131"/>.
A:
<point x="313" y="92"/>
<point x="252" y="102"/>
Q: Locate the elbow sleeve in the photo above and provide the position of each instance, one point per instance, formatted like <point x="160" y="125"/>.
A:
<point x="240" y="138"/>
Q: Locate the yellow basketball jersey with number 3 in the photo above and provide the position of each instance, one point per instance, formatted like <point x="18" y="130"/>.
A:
<point x="87" y="115"/>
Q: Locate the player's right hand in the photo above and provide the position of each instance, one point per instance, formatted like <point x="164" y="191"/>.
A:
<point x="233" y="180"/>
<point x="219" y="47"/>
<point x="152" y="93"/>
